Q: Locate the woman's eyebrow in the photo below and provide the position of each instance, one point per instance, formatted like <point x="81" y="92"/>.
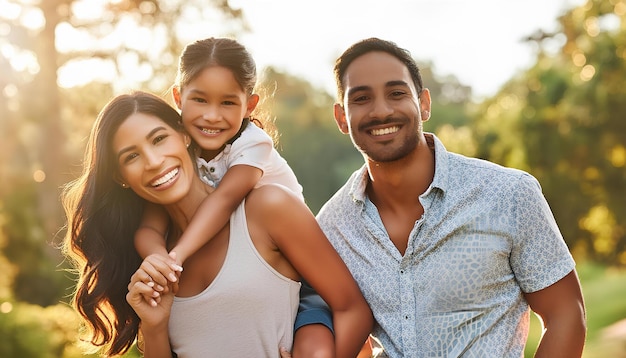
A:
<point x="131" y="147"/>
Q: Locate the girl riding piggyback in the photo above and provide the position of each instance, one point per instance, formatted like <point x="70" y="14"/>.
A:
<point x="215" y="93"/>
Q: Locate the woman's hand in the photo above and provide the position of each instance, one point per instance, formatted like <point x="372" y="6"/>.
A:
<point x="158" y="273"/>
<point x="151" y="301"/>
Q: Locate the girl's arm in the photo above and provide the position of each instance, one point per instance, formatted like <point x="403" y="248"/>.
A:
<point x="150" y="241"/>
<point x="295" y="232"/>
<point x="150" y="237"/>
<point x="216" y="209"/>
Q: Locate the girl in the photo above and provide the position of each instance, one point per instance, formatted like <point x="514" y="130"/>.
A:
<point x="215" y="93"/>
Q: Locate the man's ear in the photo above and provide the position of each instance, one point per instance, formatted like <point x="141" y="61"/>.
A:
<point x="253" y="100"/>
<point x="424" y="99"/>
<point x="340" y="118"/>
<point x="176" y="95"/>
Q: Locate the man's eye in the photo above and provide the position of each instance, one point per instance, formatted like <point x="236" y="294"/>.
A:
<point x="398" y="93"/>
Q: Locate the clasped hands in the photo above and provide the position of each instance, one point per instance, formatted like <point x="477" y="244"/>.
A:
<point x="152" y="287"/>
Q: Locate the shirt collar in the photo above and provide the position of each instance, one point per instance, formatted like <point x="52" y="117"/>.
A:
<point x="440" y="180"/>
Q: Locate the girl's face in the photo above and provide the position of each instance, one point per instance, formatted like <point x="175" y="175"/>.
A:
<point x="213" y="106"/>
<point x="152" y="159"/>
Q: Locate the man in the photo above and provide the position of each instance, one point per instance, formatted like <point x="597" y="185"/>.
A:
<point x="450" y="252"/>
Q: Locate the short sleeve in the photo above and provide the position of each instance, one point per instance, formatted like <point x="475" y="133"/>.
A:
<point x="312" y="309"/>
<point x="540" y="256"/>
<point x="254" y="148"/>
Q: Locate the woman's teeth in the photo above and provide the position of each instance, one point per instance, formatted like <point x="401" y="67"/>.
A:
<point x="166" y="178"/>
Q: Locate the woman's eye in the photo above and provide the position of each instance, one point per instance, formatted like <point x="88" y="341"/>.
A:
<point x="159" y="138"/>
<point x="130" y="157"/>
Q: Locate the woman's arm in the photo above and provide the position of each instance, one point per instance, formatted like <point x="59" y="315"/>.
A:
<point x="154" y="317"/>
<point x="295" y="232"/>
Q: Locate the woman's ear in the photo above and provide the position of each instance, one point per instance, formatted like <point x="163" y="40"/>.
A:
<point x="187" y="140"/>
<point x="118" y="179"/>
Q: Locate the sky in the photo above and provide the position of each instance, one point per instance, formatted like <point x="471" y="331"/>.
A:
<point x="478" y="41"/>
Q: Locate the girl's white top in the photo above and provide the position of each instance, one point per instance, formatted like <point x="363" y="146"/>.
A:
<point x="255" y="148"/>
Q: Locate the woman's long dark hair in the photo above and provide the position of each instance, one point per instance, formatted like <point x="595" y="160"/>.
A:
<point x="102" y="220"/>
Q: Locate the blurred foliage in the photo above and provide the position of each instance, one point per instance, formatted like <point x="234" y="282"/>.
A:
<point x="33" y="331"/>
<point x="561" y="120"/>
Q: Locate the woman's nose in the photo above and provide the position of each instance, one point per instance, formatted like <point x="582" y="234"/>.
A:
<point x="153" y="160"/>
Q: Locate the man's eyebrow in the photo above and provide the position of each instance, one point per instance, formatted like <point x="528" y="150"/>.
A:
<point x="357" y="89"/>
<point x="396" y="83"/>
<point x="365" y="88"/>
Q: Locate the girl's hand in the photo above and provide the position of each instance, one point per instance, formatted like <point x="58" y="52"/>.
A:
<point x="152" y="307"/>
<point x="284" y="353"/>
<point x="160" y="273"/>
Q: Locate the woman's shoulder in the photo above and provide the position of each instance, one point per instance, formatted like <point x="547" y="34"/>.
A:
<point x="271" y="194"/>
<point x="273" y="199"/>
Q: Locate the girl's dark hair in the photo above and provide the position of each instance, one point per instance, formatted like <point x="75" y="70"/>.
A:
<point x="228" y="53"/>
<point x="102" y="220"/>
<point x="374" y="45"/>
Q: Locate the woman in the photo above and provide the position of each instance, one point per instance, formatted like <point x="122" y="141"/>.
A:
<point x="246" y="277"/>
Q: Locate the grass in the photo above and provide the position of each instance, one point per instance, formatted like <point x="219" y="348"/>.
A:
<point x="604" y="291"/>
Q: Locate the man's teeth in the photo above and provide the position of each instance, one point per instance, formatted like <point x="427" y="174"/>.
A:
<point x="384" y="131"/>
<point x="210" y="131"/>
<point x="164" y="179"/>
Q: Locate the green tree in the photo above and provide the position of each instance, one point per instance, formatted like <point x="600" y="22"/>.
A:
<point x="41" y="126"/>
<point x="562" y="120"/>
